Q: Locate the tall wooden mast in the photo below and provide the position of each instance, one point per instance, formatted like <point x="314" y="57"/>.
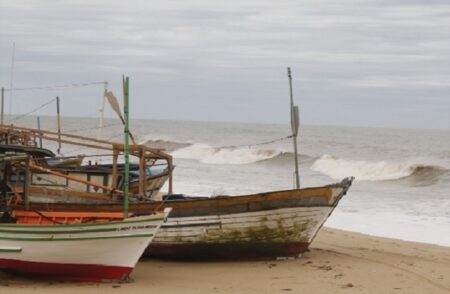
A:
<point x="126" y="146"/>
<point x="294" y="126"/>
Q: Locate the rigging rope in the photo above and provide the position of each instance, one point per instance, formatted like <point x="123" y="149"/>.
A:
<point x="28" y="113"/>
<point x="256" y="144"/>
<point x="75" y="85"/>
<point x="93" y="128"/>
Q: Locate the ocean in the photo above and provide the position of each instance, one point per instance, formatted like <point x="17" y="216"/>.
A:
<point x="402" y="186"/>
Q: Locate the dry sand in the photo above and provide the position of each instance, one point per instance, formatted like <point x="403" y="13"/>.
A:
<point x="339" y="262"/>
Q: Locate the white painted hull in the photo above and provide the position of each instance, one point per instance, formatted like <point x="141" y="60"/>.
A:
<point x="303" y="222"/>
<point x="78" y="251"/>
<point x="285" y="231"/>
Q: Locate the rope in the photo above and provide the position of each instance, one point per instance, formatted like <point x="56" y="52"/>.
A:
<point x="85" y="148"/>
<point x="256" y="144"/>
<point x="34" y="110"/>
<point x="75" y="85"/>
<point x="92" y="128"/>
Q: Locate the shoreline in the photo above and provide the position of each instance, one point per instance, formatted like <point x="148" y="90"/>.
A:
<point x="338" y="262"/>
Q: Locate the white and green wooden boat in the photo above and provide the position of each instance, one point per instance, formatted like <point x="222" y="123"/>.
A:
<point x="87" y="247"/>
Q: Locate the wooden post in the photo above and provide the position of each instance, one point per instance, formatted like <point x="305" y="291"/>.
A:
<point x="126" y="148"/>
<point x="169" y="162"/>
<point x="3" y="105"/>
<point x="26" y="188"/>
<point x="5" y="183"/>
<point x="39" y="128"/>
<point x="114" y="168"/>
<point x="142" y="173"/>
<point x="294" y="126"/>
<point x="59" y="124"/>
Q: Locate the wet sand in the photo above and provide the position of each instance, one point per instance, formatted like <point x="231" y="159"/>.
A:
<point x="339" y="262"/>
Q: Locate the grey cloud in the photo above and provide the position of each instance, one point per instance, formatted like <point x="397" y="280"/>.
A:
<point x="228" y="56"/>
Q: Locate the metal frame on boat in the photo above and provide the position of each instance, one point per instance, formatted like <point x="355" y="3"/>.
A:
<point x="76" y="246"/>
<point x="87" y="183"/>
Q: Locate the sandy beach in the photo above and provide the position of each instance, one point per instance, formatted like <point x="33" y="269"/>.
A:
<point x="339" y="262"/>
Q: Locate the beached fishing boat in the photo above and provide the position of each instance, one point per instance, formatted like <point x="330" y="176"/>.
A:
<point x="76" y="246"/>
<point x="88" y="247"/>
<point x="264" y="225"/>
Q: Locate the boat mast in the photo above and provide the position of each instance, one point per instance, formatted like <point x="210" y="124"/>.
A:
<point x="58" y="120"/>
<point x="294" y="126"/>
<point x="3" y="105"/>
<point x="126" y="147"/>
<point x="11" y="81"/>
<point x="102" y="111"/>
<point x="39" y="128"/>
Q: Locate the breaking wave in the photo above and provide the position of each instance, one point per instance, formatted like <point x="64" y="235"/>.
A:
<point x="163" y="143"/>
<point x="337" y="168"/>
<point x="216" y="155"/>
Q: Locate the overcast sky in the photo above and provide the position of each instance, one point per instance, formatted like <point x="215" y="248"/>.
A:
<point x="355" y="62"/>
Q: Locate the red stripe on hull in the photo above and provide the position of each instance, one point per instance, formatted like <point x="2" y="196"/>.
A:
<point x="226" y="251"/>
<point x="66" y="272"/>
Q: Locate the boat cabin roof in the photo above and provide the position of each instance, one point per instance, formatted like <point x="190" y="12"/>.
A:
<point x="33" y="151"/>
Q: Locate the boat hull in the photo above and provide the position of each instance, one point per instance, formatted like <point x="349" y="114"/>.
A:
<point x="226" y="251"/>
<point x="67" y="272"/>
<point x="264" y="225"/>
<point x="77" y="252"/>
<point x="250" y="235"/>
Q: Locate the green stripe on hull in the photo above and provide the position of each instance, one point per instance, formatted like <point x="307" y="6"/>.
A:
<point x="10" y="250"/>
<point x="58" y="232"/>
<point x="75" y="239"/>
<point x="80" y="225"/>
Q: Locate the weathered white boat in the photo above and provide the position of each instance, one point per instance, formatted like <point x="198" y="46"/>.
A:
<point x="87" y="247"/>
<point x="264" y="225"/>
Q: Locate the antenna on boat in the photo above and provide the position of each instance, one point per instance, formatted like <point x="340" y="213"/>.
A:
<point x="58" y="121"/>
<point x="294" y="126"/>
<point x="102" y="111"/>
<point x="11" y="78"/>
<point x="39" y="128"/>
<point x="3" y="105"/>
<point x="102" y="114"/>
<point x="126" y="150"/>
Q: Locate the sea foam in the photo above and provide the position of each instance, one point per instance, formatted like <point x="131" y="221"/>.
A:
<point x="214" y="155"/>
<point x="337" y="168"/>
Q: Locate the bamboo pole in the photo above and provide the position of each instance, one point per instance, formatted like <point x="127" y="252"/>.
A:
<point x="26" y="189"/>
<point x="169" y="162"/>
<point x="10" y="129"/>
<point x="58" y="117"/>
<point x="142" y="174"/>
<point x="83" y="138"/>
<point x="294" y="126"/>
<point x="39" y="127"/>
<point x="3" y="105"/>
<point x="126" y="147"/>
<point x="114" y="168"/>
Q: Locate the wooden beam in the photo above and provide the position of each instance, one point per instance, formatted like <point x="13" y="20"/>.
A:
<point x="75" y="179"/>
<point x="142" y="175"/>
<point x="26" y="188"/>
<point x="114" y="168"/>
<point x="169" y="162"/>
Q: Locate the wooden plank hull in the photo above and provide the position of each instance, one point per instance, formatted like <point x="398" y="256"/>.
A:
<point x="266" y="225"/>
<point x="77" y="252"/>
